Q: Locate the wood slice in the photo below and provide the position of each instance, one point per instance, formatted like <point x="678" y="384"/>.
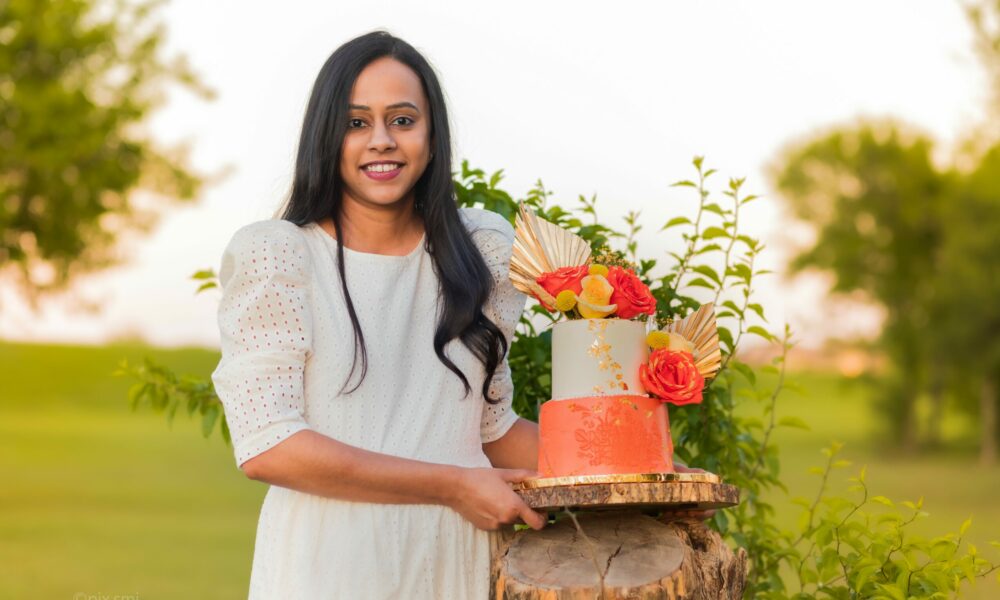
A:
<point x="617" y="555"/>
<point x="591" y="494"/>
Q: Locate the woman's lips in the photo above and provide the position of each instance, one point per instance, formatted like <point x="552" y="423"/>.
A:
<point x="383" y="175"/>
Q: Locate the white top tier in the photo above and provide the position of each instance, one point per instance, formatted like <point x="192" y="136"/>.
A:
<point x="597" y="357"/>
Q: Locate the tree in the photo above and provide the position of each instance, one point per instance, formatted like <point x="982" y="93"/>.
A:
<point x="984" y="18"/>
<point x="875" y="198"/>
<point x="77" y="80"/>
<point x="966" y="313"/>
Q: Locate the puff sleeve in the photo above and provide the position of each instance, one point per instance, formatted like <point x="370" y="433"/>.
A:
<point x="495" y="238"/>
<point x="264" y="322"/>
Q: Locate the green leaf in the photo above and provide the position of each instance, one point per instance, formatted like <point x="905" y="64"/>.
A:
<point x="726" y="337"/>
<point x="225" y="431"/>
<point x="206" y="286"/>
<point x="758" y="330"/>
<point x="862" y="577"/>
<point x="707" y="272"/>
<point x="740" y="270"/>
<point x="714" y="232"/>
<point x="208" y="420"/>
<point x="676" y="221"/>
<point x="745" y="370"/>
<point x="707" y="248"/>
<point x="136" y="392"/>
<point x="892" y="591"/>
<point x="495" y="178"/>
<point x="684" y="183"/>
<point x="701" y="282"/>
<point x="795" y="422"/>
<point x="965" y="526"/>
<point x="714" y="208"/>
<point x="204" y="274"/>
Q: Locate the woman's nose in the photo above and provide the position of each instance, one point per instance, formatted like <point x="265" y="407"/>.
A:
<point x="381" y="138"/>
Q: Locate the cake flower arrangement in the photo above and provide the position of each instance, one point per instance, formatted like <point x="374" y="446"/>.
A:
<point x="555" y="266"/>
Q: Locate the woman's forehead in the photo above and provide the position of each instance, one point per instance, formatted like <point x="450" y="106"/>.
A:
<point x="386" y="81"/>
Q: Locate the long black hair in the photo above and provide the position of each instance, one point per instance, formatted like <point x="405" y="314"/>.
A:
<point x="465" y="280"/>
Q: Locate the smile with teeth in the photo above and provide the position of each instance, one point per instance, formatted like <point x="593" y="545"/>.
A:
<point x="383" y="167"/>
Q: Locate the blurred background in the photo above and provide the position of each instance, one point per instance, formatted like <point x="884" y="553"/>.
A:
<point x="135" y="138"/>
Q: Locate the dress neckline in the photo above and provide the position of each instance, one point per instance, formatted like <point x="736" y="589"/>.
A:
<point x="389" y="257"/>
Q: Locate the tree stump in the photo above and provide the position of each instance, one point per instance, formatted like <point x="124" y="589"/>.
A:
<point x="616" y="554"/>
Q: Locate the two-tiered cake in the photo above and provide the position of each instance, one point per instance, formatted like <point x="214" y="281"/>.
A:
<point x="612" y="372"/>
<point x="600" y="419"/>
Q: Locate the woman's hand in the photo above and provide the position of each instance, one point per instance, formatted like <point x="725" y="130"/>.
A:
<point x="484" y="497"/>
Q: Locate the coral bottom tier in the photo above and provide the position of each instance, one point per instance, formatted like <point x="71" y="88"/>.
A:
<point x="604" y="435"/>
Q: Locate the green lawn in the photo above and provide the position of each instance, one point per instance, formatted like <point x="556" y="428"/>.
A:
<point x="99" y="500"/>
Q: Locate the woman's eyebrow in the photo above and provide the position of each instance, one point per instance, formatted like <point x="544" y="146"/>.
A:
<point x="391" y="106"/>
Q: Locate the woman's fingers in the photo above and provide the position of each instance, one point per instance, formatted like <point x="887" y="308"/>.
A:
<point x="681" y="468"/>
<point x="516" y="475"/>
<point x="532" y="518"/>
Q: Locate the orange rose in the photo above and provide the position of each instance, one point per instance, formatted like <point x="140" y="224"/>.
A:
<point x="672" y="377"/>
<point x="631" y="294"/>
<point x="563" y="278"/>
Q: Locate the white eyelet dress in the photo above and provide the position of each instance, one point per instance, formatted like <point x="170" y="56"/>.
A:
<point x="287" y="347"/>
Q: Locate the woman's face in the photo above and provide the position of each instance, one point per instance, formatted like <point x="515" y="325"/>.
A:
<point x="387" y="145"/>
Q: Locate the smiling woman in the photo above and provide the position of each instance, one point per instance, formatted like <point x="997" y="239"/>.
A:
<point x="388" y="140"/>
<point x="388" y="462"/>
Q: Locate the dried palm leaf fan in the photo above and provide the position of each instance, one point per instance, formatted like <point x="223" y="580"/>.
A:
<point x="699" y="328"/>
<point x="542" y="247"/>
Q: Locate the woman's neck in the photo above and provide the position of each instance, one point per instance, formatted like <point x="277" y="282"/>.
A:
<point x="391" y="230"/>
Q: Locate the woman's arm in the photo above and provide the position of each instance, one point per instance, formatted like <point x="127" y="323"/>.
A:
<point x="310" y="462"/>
<point x="517" y="449"/>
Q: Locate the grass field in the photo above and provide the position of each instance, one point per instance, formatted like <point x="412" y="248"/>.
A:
<point x="98" y="500"/>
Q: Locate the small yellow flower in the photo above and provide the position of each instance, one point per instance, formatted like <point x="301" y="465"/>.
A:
<point x="669" y="340"/>
<point x="658" y="339"/>
<point x="598" y="270"/>
<point x="566" y="300"/>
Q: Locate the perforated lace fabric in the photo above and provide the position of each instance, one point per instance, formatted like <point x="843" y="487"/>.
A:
<point x="287" y="349"/>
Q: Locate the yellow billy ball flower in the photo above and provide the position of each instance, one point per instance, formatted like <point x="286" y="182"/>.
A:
<point x="669" y="340"/>
<point x="566" y="300"/>
<point x="598" y="270"/>
<point x="658" y="339"/>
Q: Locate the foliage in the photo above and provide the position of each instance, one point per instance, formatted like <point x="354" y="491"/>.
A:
<point x="895" y="227"/>
<point x="165" y="392"/>
<point x="966" y="286"/>
<point x="77" y="79"/>
<point x="862" y="549"/>
<point x="875" y="199"/>
<point x="984" y="18"/>
<point x="828" y="555"/>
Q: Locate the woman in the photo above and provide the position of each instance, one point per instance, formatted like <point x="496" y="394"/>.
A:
<point x="364" y="341"/>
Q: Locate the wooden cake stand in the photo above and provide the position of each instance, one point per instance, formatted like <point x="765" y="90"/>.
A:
<point x="673" y="491"/>
<point x="610" y="547"/>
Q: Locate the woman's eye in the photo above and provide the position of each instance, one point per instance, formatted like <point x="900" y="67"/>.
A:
<point x="408" y="120"/>
<point x="355" y="123"/>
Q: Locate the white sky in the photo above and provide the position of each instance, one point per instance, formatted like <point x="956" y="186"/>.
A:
<point x="592" y="99"/>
